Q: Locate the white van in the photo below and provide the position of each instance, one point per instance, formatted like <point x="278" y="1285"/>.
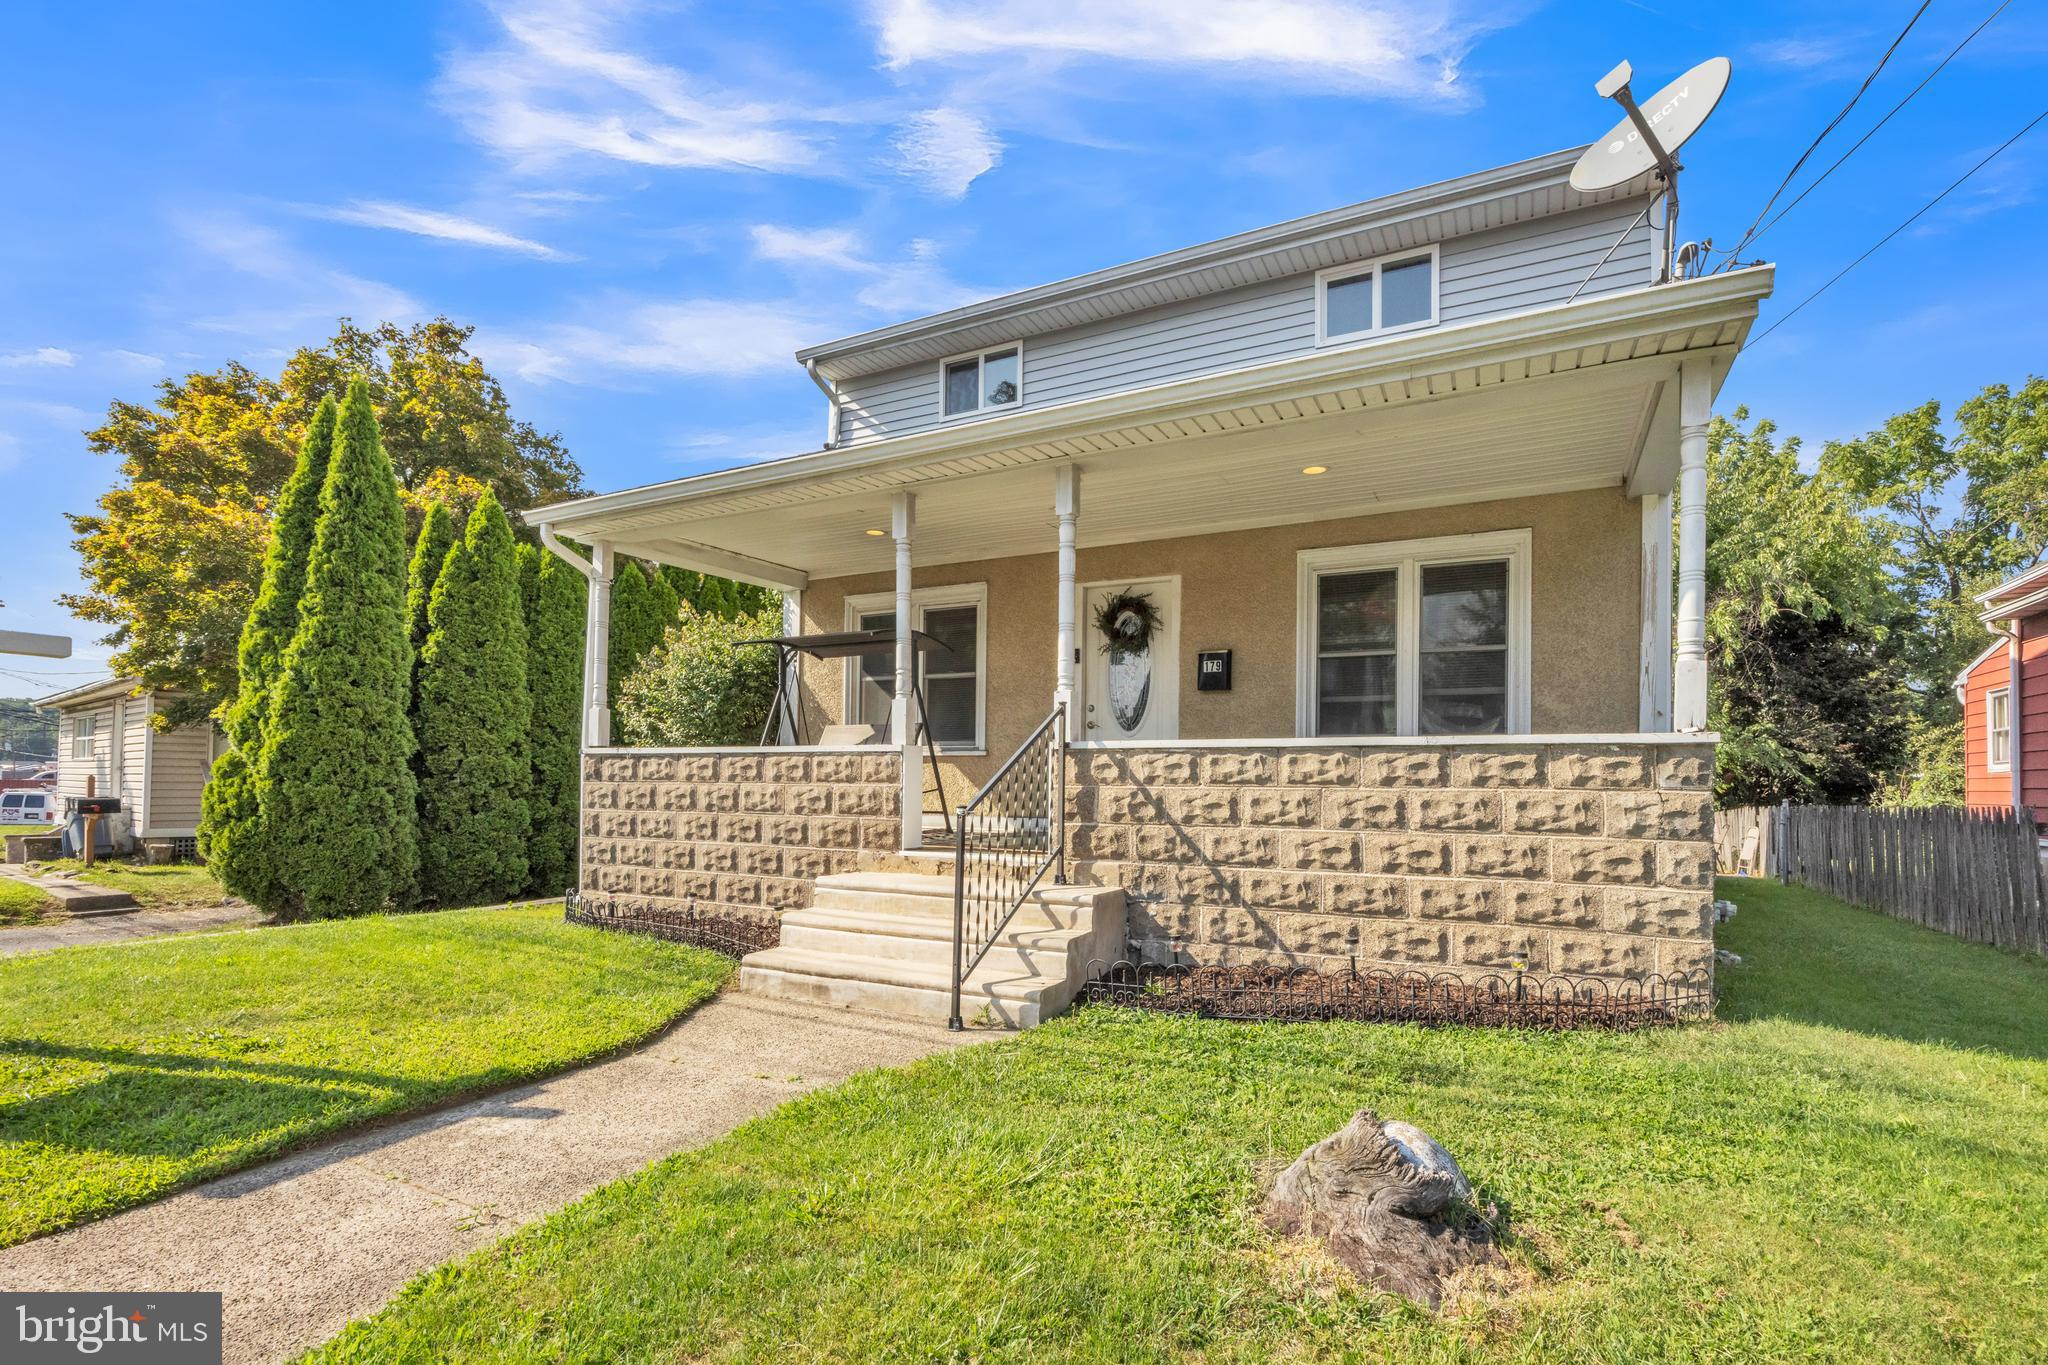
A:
<point x="28" y="808"/>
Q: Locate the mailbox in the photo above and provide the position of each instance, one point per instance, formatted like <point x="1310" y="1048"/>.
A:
<point x="1212" y="670"/>
<point x="96" y="805"/>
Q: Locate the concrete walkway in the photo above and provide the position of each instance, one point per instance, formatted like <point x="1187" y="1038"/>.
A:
<point x="67" y="933"/>
<point x="304" y="1244"/>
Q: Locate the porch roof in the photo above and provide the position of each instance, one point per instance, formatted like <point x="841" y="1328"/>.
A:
<point x="1572" y="396"/>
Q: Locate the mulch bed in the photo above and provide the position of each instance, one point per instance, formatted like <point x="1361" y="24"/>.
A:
<point x="1299" y="995"/>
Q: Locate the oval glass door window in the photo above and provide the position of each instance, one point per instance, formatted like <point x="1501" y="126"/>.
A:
<point x="1130" y="686"/>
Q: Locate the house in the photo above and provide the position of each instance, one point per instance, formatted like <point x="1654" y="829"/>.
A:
<point x="1298" y="598"/>
<point x="105" y="733"/>
<point x="2004" y="693"/>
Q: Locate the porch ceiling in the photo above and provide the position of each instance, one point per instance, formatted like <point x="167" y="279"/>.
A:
<point x="1577" y="396"/>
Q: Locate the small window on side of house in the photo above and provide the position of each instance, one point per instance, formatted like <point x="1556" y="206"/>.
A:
<point x="1392" y="294"/>
<point x="989" y="379"/>
<point x="1998" y="730"/>
<point x="84" y="735"/>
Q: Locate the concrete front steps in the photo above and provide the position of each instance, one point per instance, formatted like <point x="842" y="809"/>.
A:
<point x="882" y="943"/>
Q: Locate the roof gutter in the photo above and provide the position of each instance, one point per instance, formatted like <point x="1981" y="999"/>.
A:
<point x="831" y="392"/>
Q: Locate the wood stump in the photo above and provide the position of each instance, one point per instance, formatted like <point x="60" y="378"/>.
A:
<point x="1378" y="1195"/>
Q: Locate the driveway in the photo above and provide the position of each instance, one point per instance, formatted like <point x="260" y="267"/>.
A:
<point x="302" y="1245"/>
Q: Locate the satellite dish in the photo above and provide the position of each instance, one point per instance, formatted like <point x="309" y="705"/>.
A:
<point x="1674" y="114"/>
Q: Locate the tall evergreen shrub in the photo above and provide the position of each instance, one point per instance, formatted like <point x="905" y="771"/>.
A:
<point x="230" y="830"/>
<point x="474" y="716"/>
<point x="334" y="778"/>
<point x="554" y="674"/>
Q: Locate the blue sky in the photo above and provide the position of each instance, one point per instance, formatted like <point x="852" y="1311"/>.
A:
<point x="644" y="208"/>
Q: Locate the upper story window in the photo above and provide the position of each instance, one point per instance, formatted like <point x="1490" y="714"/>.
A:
<point x="1372" y="298"/>
<point x="1424" y="637"/>
<point x="987" y="379"/>
<point x="84" y="736"/>
<point x="1998" y="730"/>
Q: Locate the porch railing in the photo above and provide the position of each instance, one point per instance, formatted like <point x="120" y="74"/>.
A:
<point x="1004" y="842"/>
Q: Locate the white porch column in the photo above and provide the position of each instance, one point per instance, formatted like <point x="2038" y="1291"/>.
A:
<point x="1695" y="408"/>
<point x="1066" y="503"/>
<point x="1654" y="711"/>
<point x="597" y="649"/>
<point x="903" y="717"/>
<point x="792" y="624"/>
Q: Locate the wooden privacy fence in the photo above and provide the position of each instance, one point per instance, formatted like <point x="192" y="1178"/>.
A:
<point x="1974" y="874"/>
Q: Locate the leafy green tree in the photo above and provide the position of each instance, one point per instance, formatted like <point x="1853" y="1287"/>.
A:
<point x="474" y="714"/>
<point x="554" y="654"/>
<point x="700" y="686"/>
<point x="334" y="778"/>
<point x="172" y="555"/>
<point x="231" y="831"/>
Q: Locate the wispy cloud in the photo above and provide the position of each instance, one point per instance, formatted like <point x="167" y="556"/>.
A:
<point x="915" y="283"/>
<point x="565" y="85"/>
<point x="137" y="360"/>
<point x="297" y="288"/>
<point x="1403" y="48"/>
<point x="446" y="227"/>
<point x="1807" y="52"/>
<point x="946" y="149"/>
<point x="715" y="338"/>
<point x="41" y="358"/>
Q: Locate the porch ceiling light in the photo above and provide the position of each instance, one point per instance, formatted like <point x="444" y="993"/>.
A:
<point x="1315" y="469"/>
<point x="875" y="531"/>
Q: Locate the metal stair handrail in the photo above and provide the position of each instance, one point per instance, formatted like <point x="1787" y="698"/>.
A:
<point x="1004" y="840"/>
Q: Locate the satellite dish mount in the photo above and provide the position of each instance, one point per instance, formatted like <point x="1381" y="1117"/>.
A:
<point x="1651" y="138"/>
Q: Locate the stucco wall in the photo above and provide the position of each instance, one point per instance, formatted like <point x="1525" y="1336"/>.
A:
<point x="1238" y="593"/>
<point x="1585" y="861"/>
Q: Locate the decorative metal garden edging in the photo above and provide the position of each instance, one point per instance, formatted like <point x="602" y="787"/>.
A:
<point x="1300" y="995"/>
<point x="731" y="935"/>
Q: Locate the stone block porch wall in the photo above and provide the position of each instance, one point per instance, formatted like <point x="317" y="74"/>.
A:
<point x="1581" y="859"/>
<point x="737" y="831"/>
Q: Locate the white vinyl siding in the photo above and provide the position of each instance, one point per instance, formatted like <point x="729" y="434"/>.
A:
<point x="180" y="762"/>
<point x="1503" y="270"/>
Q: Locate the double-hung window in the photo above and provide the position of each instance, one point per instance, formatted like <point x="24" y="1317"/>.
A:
<point x="1998" y="730"/>
<point x="952" y="675"/>
<point x="84" y="736"/>
<point x="986" y="379"/>
<point x="1423" y="637"/>
<point x="1371" y="298"/>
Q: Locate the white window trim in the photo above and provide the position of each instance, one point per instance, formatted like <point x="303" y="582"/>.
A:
<point x="1409" y="557"/>
<point x="1991" y="731"/>
<point x="948" y="595"/>
<point x="86" y="728"/>
<point x="1352" y="269"/>
<point x="981" y="407"/>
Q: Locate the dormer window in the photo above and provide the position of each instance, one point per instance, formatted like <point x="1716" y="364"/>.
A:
<point x="1372" y="298"/>
<point x="987" y="379"/>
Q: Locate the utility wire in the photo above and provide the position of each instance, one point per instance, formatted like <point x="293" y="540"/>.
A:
<point x="1833" y="123"/>
<point x="1880" y="123"/>
<point x="1901" y="227"/>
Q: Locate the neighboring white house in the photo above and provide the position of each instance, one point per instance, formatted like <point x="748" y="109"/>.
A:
<point x="104" y="732"/>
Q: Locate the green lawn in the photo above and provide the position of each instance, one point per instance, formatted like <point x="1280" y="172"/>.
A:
<point x="1852" y="1167"/>
<point x="162" y="884"/>
<point x="6" y="829"/>
<point x="20" y="903"/>
<point x="128" y="1071"/>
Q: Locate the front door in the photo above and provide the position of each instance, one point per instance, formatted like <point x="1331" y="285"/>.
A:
<point x="1130" y="662"/>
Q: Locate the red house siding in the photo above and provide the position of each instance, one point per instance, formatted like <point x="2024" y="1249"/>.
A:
<point x="1982" y="787"/>
<point x="2032" y="714"/>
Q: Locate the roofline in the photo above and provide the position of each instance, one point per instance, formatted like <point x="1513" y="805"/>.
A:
<point x="2001" y="645"/>
<point x="89" y="692"/>
<point x="1407" y="351"/>
<point x="1511" y="178"/>
<point x="2019" y="579"/>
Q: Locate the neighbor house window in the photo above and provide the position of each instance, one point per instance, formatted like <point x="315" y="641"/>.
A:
<point x="1998" y="730"/>
<point x="1424" y="637"/>
<point x="989" y="379"/>
<point x="84" y="735"/>
<point x="952" y="676"/>
<point x="1391" y="294"/>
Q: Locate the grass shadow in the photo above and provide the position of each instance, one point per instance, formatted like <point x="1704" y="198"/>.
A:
<point x="1810" y="958"/>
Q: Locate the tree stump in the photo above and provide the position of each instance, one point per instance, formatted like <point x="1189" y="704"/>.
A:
<point x="1377" y="1195"/>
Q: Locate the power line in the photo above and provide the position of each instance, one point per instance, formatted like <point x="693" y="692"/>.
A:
<point x="1902" y="227"/>
<point x="1880" y="123"/>
<point x="1833" y="123"/>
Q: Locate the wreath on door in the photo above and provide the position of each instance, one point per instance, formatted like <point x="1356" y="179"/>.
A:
<point x="1127" y="622"/>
